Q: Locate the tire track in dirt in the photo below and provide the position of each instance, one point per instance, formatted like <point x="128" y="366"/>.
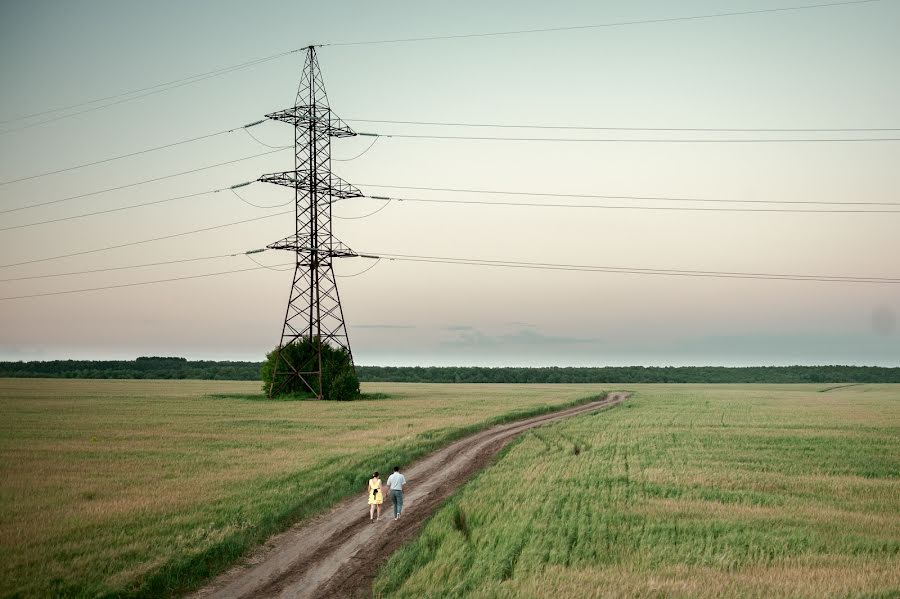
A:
<point x="337" y="554"/>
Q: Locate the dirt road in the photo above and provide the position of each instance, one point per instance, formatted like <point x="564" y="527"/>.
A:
<point x="338" y="553"/>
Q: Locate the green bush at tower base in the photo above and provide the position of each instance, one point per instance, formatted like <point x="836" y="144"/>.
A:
<point x="339" y="380"/>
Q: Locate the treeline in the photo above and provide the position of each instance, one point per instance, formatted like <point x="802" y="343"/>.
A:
<point x="180" y="368"/>
<point x="632" y="374"/>
<point x="141" y="368"/>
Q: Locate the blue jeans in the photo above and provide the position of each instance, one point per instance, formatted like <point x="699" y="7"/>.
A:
<point x="397" y="498"/>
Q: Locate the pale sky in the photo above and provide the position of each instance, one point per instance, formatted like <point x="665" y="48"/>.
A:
<point x="825" y="68"/>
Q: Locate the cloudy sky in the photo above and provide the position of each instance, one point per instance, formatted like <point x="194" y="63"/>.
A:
<point x="827" y="68"/>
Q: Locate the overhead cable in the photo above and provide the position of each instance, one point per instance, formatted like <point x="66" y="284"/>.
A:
<point x="137" y="153"/>
<point x="141" y="283"/>
<point x="593" y="128"/>
<point x="518" y="265"/>
<point x="362" y="272"/>
<point x="374" y="141"/>
<point x="117" y="268"/>
<point x="150" y="90"/>
<point x="376" y="137"/>
<point x="623" y="197"/>
<point x="141" y="92"/>
<point x="151" y="203"/>
<point x="143" y="182"/>
<point x="382" y="207"/>
<point x="142" y="241"/>
<point x="261" y="265"/>
<point x="262" y="143"/>
<point x="602" y="25"/>
<point x="249" y="203"/>
<point x="107" y="211"/>
<point x="630" y="270"/>
<point x="623" y="207"/>
<point x="635" y="140"/>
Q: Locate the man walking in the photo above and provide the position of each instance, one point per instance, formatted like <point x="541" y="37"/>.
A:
<point x="395" y="483"/>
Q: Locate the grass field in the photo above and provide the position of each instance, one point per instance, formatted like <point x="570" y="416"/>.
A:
<point x="686" y="491"/>
<point x="139" y="488"/>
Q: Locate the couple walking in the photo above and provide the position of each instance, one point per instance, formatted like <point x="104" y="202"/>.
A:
<point x="395" y="483"/>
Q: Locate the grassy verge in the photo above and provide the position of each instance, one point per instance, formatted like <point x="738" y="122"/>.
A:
<point x="334" y="482"/>
<point x="686" y="491"/>
<point x="148" y="488"/>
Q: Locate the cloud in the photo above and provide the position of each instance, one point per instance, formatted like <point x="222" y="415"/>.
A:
<point x="382" y="326"/>
<point x="459" y="327"/>
<point x="474" y="339"/>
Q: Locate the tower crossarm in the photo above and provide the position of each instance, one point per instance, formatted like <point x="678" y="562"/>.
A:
<point x="333" y="186"/>
<point x="294" y="243"/>
<point x="320" y="117"/>
<point x="301" y="244"/>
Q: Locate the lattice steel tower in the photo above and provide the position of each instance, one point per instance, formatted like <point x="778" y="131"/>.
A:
<point x="314" y="308"/>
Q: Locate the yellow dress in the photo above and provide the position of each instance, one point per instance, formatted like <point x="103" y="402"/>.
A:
<point x="375" y="497"/>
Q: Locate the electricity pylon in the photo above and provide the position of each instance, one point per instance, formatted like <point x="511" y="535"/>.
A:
<point x="314" y="309"/>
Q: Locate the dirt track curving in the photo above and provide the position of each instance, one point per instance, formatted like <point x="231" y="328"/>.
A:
<point x="338" y="553"/>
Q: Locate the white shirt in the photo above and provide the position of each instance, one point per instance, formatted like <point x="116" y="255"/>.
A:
<point x="396" y="481"/>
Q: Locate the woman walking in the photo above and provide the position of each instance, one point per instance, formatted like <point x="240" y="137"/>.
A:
<point x="375" y="497"/>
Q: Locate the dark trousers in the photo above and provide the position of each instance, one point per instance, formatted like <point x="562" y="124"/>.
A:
<point x="397" y="498"/>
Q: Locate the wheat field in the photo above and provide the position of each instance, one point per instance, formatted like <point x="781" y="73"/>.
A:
<point x="685" y="491"/>
<point x="146" y="488"/>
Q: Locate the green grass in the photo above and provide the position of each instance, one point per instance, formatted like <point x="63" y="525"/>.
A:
<point x="685" y="491"/>
<point x="147" y="488"/>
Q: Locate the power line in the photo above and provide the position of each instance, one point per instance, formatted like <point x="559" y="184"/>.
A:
<point x="153" y="89"/>
<point x="145" y="181"/>
<point x="621" y="197"/>
<point x="382" y="207"/>
<point x="141" y="92"/>
<point x="232" y="189"/>
<point x="631" y="270"/>
<point x="141" y="205"/>
<point x="262" y="143"/>
<point x="115" y="268"/>
<point x="602" y="25"/>
<point x="376" y="137"/>
<point x="371" y="145"/>
<point x="244" y="128"/>
<point x="133" y="243"/>
<point x="249" y="203"/>
<point x="136" y="153"/>
<point x="86" y="110"/>
<point x="622" y="271"/>
<point x="289" y="266"/>
<point x="120" y="208"/>
<point x="607" y="207"/>
<point x="106" y="287"/>
<point x="362" y="272"/>
<point x="378" y="256"/>
<point x="592" y="128"/>
<point x="638" y="141"/>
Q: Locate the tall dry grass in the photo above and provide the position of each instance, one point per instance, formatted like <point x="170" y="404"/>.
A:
<point x="143" y="488"/>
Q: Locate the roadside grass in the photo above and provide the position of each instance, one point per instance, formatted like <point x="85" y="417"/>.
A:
<point x="684" y="491"/>
<point x="148" y="488"/>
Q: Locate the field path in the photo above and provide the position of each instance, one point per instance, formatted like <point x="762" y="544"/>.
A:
<point x="338" y="553"/>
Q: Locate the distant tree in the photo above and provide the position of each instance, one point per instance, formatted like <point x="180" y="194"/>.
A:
<point x="180" y="368"/>
<point x="339" y="379"/>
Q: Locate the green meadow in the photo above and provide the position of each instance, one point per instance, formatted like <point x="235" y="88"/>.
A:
<point x="685" y="491"/>
<point x="147" y="488"/>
